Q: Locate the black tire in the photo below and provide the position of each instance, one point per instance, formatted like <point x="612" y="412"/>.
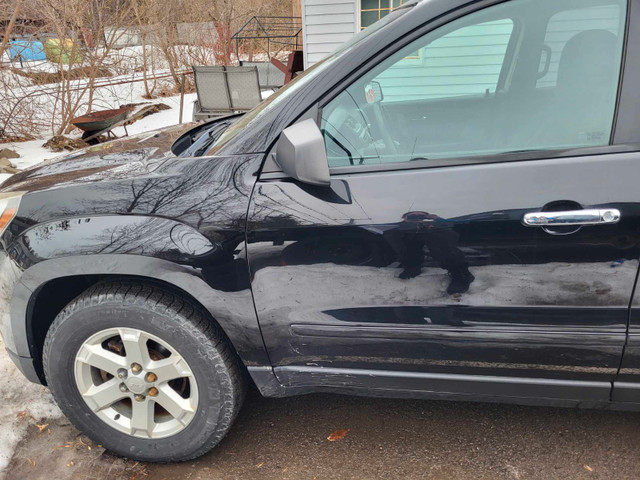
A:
<point x="167" y="315"/>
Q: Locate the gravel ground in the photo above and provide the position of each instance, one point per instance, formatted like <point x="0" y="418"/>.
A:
<point x="389" y="439"/>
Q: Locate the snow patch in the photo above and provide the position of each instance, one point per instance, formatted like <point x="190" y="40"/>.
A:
<point x="32" y="152"/>
<point x="17" y="394"/>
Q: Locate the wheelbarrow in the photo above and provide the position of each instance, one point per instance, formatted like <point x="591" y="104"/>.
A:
<point x="99" y="123"/>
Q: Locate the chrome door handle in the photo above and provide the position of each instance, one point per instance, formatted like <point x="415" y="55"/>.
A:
<point x="577" y="217"/>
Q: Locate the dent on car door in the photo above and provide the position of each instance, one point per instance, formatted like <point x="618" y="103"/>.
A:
<point x="414" y="269"/>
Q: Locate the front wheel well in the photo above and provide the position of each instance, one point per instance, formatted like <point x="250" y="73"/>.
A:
<point x="52" y="297"/>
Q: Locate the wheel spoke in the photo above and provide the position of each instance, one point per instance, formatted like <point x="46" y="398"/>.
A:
<point x="170" y="368"/>
<point x="173" y="403"/>
<point x="128" y="401"/>
<point x="98" y="357"/>
<point x="135" y="346"/>
<point x="142" y="417"/>
<point x="99" y="397"/>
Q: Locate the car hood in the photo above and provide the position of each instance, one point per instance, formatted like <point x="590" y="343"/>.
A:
<point x="118" y="159"/>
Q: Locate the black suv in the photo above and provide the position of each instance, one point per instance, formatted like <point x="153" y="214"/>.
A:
<point x="446" y="207"/>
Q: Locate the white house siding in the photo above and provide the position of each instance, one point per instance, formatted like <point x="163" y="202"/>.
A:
<point x="327" y="25"/>
<point x="467" y="61"/>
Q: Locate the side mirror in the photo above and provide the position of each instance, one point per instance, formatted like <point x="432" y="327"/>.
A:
<point x="302" y="155"/>
<point x="373" y="92"/>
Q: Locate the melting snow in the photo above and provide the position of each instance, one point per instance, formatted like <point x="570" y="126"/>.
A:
<point x="18" y="395"/>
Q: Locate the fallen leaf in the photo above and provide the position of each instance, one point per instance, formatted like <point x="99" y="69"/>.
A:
<point x="259" y="465"/>
<point x="71" y="463"/>
<point x="42" y="427"/>
<point x="587" y="467"/>
<point x="338" y="435"/>
<point x="31" y="462"/>
<point x="24" y="414"/>
<point x="86" y="445"/>
<point x="284" y="469"/>
<point x="141" y="471"/>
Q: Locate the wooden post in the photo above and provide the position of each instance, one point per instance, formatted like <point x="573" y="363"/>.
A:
<point x="296" y="8"/>
<point x="297" y="13"/>
<point x="182" y="96"/>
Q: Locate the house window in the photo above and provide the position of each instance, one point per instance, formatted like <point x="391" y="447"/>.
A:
<point x="373" y="10"/>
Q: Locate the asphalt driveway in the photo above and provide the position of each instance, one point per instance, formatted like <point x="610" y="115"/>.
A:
<point x="405" y="439"/>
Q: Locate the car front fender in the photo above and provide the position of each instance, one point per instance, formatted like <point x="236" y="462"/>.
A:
<point x="233" y="310"/>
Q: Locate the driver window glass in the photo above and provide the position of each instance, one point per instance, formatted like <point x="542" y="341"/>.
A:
<point x="565" y="25"/>
<point x="467" y="61"/>
<point x="456" y="92"/>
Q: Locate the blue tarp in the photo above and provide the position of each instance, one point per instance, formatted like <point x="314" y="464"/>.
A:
<point x="28" y="50"/>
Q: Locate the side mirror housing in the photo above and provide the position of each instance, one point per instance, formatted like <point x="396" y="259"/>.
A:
<point x="302" y="155"/>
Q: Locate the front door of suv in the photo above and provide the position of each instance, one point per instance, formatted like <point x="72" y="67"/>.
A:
<point x="416" y="269"/>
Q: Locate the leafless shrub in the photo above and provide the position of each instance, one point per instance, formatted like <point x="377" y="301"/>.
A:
<point x="19" y="116"/>
<point x="118" y="40"/>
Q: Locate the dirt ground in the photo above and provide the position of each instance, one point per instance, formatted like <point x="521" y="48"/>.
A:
<point x="389" y="439"/>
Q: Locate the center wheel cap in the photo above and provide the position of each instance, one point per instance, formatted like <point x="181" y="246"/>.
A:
<point x="136" y="385"/>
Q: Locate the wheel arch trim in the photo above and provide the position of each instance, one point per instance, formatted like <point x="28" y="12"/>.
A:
<point x="241" y="327"/>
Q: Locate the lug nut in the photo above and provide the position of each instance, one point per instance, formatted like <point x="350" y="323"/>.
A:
<point x="151" y="377"/>
<point x="123" y="388"/>
<point x="139" y="398"/>
<point x="122" y="374"/>
<point x="135" y="368"/>
<point x="153" y="392"/>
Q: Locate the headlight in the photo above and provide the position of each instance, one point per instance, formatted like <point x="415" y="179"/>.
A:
<point x="9" y="203"/>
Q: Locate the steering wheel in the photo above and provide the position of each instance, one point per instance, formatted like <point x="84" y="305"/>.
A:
<point x="380" y="127"/>
<point x="351" y="130"/>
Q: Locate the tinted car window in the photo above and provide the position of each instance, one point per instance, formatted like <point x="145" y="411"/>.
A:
<point x="467" y="61"/>
<point x="485" y="84"/>
<point x="565" y="25"/>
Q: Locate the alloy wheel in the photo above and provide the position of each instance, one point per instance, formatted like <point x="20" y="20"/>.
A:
<point x="136" y="383"/>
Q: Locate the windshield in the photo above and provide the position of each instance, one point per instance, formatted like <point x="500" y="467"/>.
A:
<point x="308" y="75"/>
<point x="202" y="139"/>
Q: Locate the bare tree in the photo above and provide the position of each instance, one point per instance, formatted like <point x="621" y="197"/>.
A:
<point x="12" y="21"/>
<point x="90" y="38"/>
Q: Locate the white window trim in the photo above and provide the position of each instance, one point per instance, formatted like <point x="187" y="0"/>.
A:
<point x="359" y="13"/>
